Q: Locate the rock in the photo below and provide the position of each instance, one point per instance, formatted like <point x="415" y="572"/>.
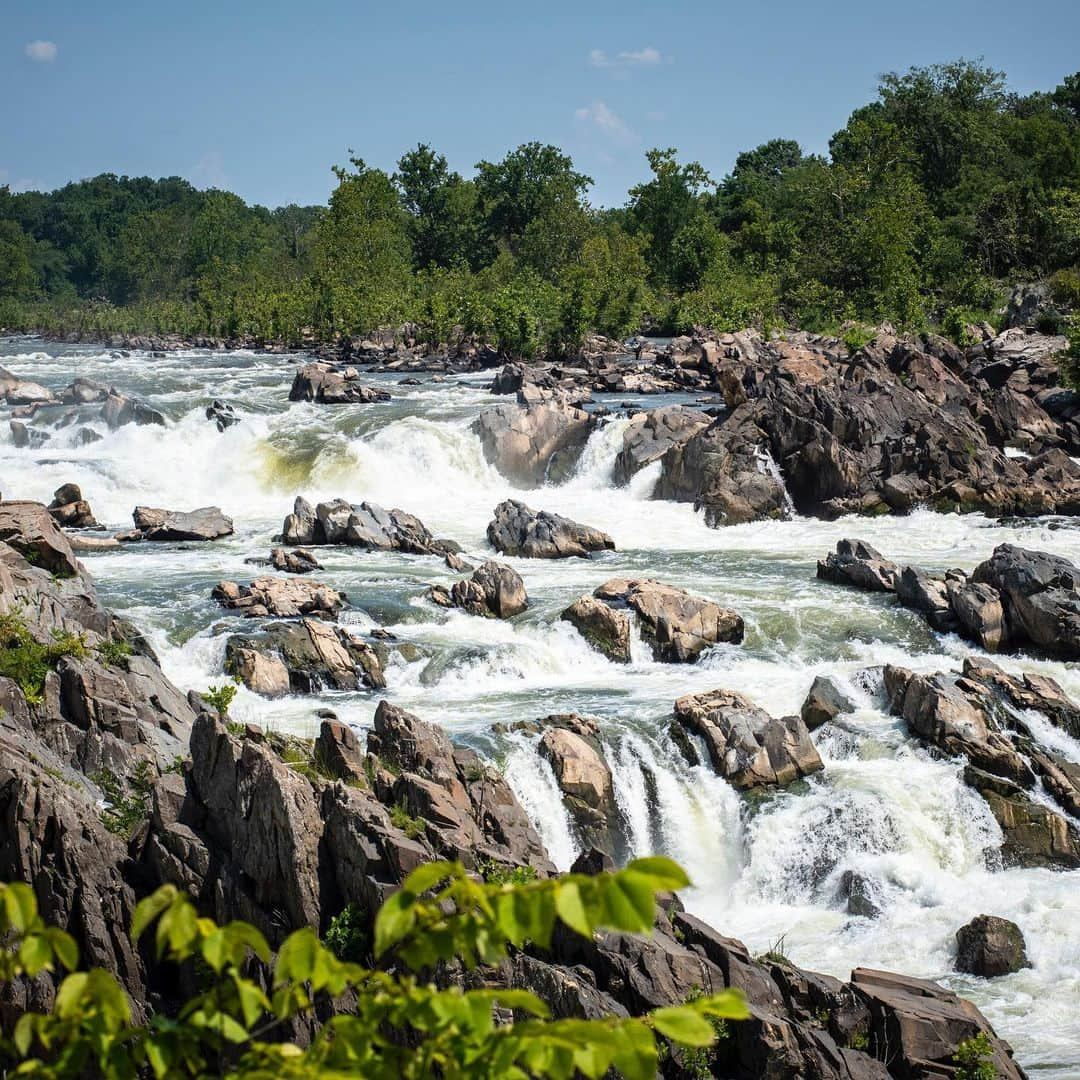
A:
<point x="1040" y="594"/>
<point x="746" y="745"/>
<point x="222" y="414"/>
<point x="261" y="674"/>
<point x="322" y="384"/>
<point x="1028" y="302"/>
<point x="583" y="777"/>
<point x="338" y="751"/>
<point x="281" y="597"/>
<point x="83" y="392"/>
<point x="651" y="435"/>
<point x="678" y="626"/>
<point x="824" y="702"/>
<point x="206" y="523"/>
<point x="930" y="595"/>
<point x="536" y="443"/>
<point x="979" y="611"/>
<point x="856" y="563"/>
<point x="605" y="628"/>
<point x="517" y="529"/>
<point x="119" y="409"/>
<point x="990" y="946"/>
<point x="23" y="437"/>
<point x="85" y="436"/>
<point x="457" y="563"/>
<point x="366" y="526"/>
<point x="857" y="893"/>
<point x="297" y="561"/>
<point x="29" y="528"/>
<point x="70" y="509"/>
<point x="18" y="391"/>
<point x="317" y="655"/>
<point x="495" y="590"/>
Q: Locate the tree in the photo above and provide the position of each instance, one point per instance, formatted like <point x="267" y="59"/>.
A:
<point x="400" y="1025"/>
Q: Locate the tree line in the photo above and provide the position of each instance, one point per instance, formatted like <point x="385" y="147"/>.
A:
<point x="931" y="200"/>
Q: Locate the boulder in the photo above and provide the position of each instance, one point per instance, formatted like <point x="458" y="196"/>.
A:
<point x="990" y="946"/>
<point x="223" y="414"/>
<point x="70" y="510"/>
<point x="206" y="523"/>
<point x="747" y="746"/>
<point x="930" y="595"/>
<point x="262" y="674"/>
<point x="284" y="598"/>
<point x="494" y="590"/>
<point x="824" y="702"/>
<point x="677" y="625"/>
<point x="324" y="384"/>
<point x="650" y="435"/>
<point x="517" y="529"/>
<point x="978" y="610"/>
<point x="119" y="409"/>
<point x="30" y="529"/>
<point x="366" y="526"/>
<point x="338" y="752"/>
<point x="605" y="628"/>
<point x="297" y="561"/>
<point x="317" y="656"/>
<point x="23" y="437"/>
<point x="83" y="392"/>
<point x="535" y="443"/>
<point x="856" y="563"/>
<point x="18" y="391"/>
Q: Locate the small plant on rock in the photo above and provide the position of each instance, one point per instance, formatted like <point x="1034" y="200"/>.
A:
<point x="220" y="698"/>
<point x="28" y="661"/>
<point x="975" y="1059"/>
<point x="127" y="805"/>
<point x="412" y="827"/>
<point x="348" y="936"/>
<point x="114" y="652"/>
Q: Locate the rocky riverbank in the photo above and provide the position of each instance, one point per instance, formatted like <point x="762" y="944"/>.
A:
<point x="113" y="781"/>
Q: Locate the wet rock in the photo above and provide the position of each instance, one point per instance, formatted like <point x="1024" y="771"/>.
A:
<point x="858" y="894"/>
<point x="119" y="409"/>
<point x="978" y="610"/>
<point x="856" y="563"/>
<point x="677" y="625"/>
<point x="605" y="628"/>
<point x="297" y="561"/>
<point x="262" y="674"/>
<point x="652" y="434"/>
<point x="223" y="414"/>
<point x="990" y="946"/>
<point x="536" y="443"/>
<point x="1027" y="691"/>
<point x="930" y="595"/>
<point x="206" y="523"/>
<point x="365" y="526"/>
<point x="1040" y="594"/>
<point x="281" y="597"/>
<point x="747" y="746"/>
<point x="18" y="391"/>
<point x="70" y="510"/>
<point x="495" y="590"/>
<point x="23" y="437"/>
<point x="317" y="655"/>
<point x="83" y="392"/>
<point x="570" y="745"/>
<point x="824" y="702"/>
<point x="29" y="528"/>
<point x="517" y="529"/>
<point x="85" y="436"/>
<point x="323" y="384"/>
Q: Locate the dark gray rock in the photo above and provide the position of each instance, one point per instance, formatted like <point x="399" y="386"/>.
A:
<point x="990" y="946"/>
<point x="517" y="529"/>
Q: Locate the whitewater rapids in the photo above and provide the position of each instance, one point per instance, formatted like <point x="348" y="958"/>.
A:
<point x="762" y="871"/>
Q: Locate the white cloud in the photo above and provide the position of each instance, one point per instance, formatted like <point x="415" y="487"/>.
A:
<point x="600" y="118"/>
<point x="44" y="52"/>
<point x="647" y="57"/>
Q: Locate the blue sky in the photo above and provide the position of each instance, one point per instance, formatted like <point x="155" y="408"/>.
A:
<point x="262" y="98"/>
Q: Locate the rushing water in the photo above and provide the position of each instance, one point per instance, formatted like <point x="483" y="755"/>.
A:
<point x="762" y="870"/>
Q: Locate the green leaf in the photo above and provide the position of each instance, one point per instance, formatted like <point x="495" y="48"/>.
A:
<point x="635" y="1051"/>
<point x="146" y="911"/>
<point x="23" y="1035"/>
<point x="35" y="954"/>
<point x="631" y="904"/>
<point x="395" y="920"/>
<point x="297" y="957"/>
<point x="20" y="906"/>
<point x="64" y="947"/>
<point x="430" y="874"/>
<point x="684" y="1025"/>
<point x="571" y="908"/>
<point x="665" y="874"/>
<point x="727" y="1005"/>
<point x="215" y="950"/>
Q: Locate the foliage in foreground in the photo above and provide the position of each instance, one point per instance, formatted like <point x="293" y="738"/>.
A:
<point x="401" y="1025"/>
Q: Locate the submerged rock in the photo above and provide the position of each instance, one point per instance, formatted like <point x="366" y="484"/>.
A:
<point x="747" y="746"/>
<point x="990" y="946"/>
<point x="517" y="529"/>
<point x="495" y="590"/>
<point x="206" y="523"/>
<point x="223" y="414"/>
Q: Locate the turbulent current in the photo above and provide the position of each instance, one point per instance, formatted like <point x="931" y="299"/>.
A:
<point x="766" y="870"/>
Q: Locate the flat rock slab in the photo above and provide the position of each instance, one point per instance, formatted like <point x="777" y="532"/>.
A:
<point x="206" y="523"/>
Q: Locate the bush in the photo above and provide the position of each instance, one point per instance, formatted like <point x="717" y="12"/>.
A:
<point x="975" y="1059"/>
<point x="127" y="806"/>
<point x="28" y="661"/>
<point x="220" y="698"/>
<point x="400" y="818"/>
<point x="1070" y="358"/>
<point x="1065" y="288"/>
<point x="348" y="936"/>
<point x="114" y="653"/>
<point x="401" y="1026"/>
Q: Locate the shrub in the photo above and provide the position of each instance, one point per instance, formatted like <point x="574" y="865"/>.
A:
<point x="400" y="818"/>
<point x="1070" y="358"/>
<point x="500" y="874"/>
<point x="220" y="698"/>
<point x="856" y="337"/>
<point x="28" y="661"/>
<point x="348" y="936"/>
<point x="128" y="805"/>
<point x="974" y="1058"/>
<point x="402" y="1025"/>
<point x="114" y="653"/>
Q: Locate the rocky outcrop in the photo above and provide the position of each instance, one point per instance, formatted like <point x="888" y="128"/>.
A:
<point x="297" y="561"/>
<point x="119" y="409"/>
<point x="650" y="435"/>
<point x="747" y="746"/>
<point x="517" y="529"/>
<point x="825" y="701"/>
<point x="280" y="597"/>
<point x="16" y="391"/>
<point x="494" y="590"/>
<point x="677" y="625"/>
<point x="316" y="654"/>
<point x="70" y="510"/>
<point x="531" y="444"/>
<point x="365" y="526"/>
<point x="29" y="529"/>
<point x="1016" y="599"/>
<point x="206" y="523"/>
<point x="326" y="384"/>
<point x="990" y="946"/>
<point x="223" y="414"/>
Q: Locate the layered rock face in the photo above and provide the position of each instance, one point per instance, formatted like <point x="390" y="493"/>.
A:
<point x="517" y="529"/>
<point x="365" y="526"/>
<point x="678" y="626"/>
<point x="1016" y="599"/>
<point x="280" y="597"/>
<point x="896" y="425"/>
